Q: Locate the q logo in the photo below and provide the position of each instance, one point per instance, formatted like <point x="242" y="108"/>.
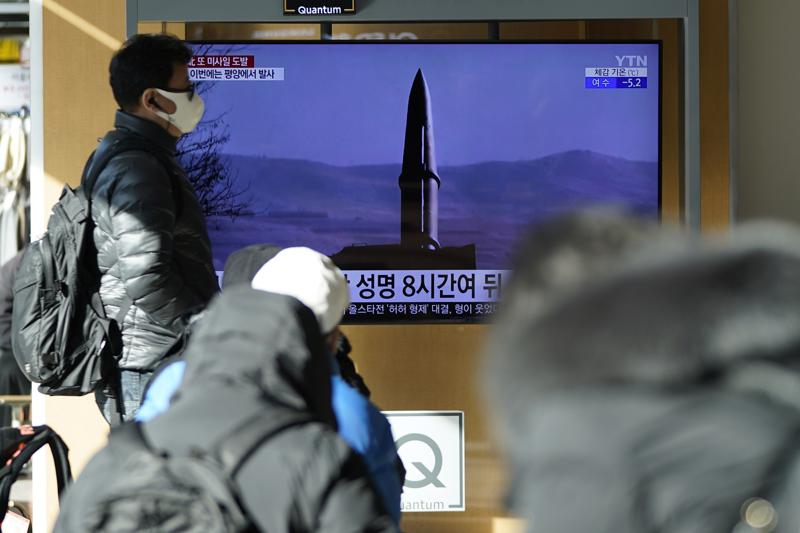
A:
<point x="430" y="476"/>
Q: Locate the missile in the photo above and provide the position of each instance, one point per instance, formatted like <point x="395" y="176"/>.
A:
<point x="419" y="180"/>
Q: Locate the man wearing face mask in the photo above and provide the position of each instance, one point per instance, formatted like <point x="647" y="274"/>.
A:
<point x="154" y="253"/>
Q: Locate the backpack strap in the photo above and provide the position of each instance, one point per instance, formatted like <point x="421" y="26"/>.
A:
<point x="232" y="452"/>
<point x="229" y="452"/>
<point x="110" y="149"/>
<point x="44" y="436"/>
<point x="231" y="449"/>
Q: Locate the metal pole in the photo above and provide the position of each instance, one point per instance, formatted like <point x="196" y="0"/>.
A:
<point x="326" y="31"/>
<point x="733" y="111"/>
<point x="692" y="178"/>
<point x="494" y="31"/>
<point x="131" y="17"/>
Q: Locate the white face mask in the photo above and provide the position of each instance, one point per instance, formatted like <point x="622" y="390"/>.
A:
<point x="189" y="109"/>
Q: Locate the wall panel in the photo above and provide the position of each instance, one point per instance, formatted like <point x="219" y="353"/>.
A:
<point x="437" y="367"/>
<point x="669" y="32"/>
<point x="79" y="39"/>
<point x="544" y="30"/>
<point x="714" y="115"/>
<point x="769" y="117"/>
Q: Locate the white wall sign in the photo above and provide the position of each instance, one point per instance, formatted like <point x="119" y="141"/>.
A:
<point x="15" y="87"/>
<point x="431" y="446"/>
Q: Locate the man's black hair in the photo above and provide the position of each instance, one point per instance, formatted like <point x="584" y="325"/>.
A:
<point x="144" y="62"/>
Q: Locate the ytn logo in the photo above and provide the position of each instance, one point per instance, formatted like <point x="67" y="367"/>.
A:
<point x="631" y="61"/>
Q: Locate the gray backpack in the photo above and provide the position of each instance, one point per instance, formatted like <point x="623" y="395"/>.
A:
<point x="61" y="336"/>
<point x="166" y="492"/>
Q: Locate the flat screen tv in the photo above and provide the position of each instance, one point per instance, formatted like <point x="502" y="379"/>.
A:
<point x="417" y="166"/>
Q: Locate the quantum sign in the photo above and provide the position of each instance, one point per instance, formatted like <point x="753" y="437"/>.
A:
<point x="319" y="7"/>
<point x="431" y="446"/>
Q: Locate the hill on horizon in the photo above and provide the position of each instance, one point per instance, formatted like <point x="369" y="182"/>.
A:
<point x="300" y="202"/>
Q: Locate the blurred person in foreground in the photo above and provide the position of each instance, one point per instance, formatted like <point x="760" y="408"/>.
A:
<point x="312" y="278"/>
<point x="657" y="392"/>
<point x="255" y="358"/>
<point x="315" y="281"/>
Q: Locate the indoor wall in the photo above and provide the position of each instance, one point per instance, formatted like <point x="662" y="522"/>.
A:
<point x="768" y="111"/>
<point x="79" y="37"/>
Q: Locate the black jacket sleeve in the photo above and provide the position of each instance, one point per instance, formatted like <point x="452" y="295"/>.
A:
<point x="7" y="274"/>
<point x="142" y="213"/>
<point x="347" y="368"/>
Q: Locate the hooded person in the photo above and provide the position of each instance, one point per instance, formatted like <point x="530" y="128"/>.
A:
<point x="240" y="268"/>
<point x="313" y="279"/>
<point x="662" y="396"/>
<point x="255" y="362"/>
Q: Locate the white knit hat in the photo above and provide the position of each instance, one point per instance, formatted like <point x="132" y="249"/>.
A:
<point x="310" y="277"/>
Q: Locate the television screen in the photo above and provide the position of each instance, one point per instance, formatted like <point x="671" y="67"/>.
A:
<point x="417" y="166"/>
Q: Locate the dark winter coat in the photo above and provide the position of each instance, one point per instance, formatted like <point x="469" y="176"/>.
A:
<point x="304" y="479"/>
<point x="259" y="353"/>
<point x="153" y="248"/>
<point x="661" y="400"/>
<point x="7" y="274"/>
<point x="12" y="380"/>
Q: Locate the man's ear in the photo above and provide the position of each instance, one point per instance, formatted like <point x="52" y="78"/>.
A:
<point x="149" y="101"/>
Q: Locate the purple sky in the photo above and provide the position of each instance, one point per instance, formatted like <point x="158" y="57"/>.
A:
<point x="345" y="104"/>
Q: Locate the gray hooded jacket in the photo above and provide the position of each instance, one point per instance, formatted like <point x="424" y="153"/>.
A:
<point x="254" y="355"/>
<point x="663" y="400"/>
<point x="257" y="352"/>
